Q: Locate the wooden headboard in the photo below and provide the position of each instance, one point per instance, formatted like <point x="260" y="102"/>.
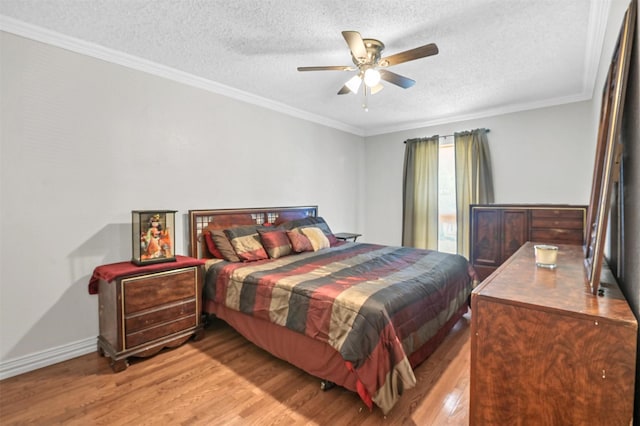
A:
<point x="199" y="219"/>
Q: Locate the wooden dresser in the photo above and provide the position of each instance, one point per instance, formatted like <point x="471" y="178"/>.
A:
<point x="143" y="312"/>
<point x="499" y="230"/>
<point x="545" y="351"/>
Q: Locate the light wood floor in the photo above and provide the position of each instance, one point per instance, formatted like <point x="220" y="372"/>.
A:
<point x="223" y="379"/>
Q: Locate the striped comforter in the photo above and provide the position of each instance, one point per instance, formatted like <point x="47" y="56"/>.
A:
<point x="374" y="304"/>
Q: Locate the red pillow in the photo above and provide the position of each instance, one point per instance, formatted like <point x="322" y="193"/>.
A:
<point x="299" y="242"/>
<point x="230" y="220"/>
<point x="211" y="245"/>
<point x="276" y="243"/>
<point x="289" y="216"/>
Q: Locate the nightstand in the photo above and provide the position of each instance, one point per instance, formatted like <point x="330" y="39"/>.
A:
<point x="346" y="236"/>
<point x="146" y="308"/>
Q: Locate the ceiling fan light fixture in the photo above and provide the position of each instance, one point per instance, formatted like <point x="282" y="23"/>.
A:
<point x="375" y="89"/>
<point x="371" y="77"/>
<point x="354" y="83"/>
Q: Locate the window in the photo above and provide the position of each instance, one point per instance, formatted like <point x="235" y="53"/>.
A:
<point x="451" y="176"/>
<point x="447" y="225"/>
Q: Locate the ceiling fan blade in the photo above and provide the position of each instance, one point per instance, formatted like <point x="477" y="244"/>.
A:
<point x="396" y="79"/>
<point x="327" y="68"/>
<point x="410" y="55"/>
<point x="356" y="44"/>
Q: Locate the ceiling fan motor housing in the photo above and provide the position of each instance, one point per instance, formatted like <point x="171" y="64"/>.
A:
<point x="374" y="51"/>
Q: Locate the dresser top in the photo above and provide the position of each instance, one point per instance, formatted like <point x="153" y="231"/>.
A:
<point x="520" y="282"/>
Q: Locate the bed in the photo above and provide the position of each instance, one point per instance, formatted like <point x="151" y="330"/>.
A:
<point x="359" y="315"/>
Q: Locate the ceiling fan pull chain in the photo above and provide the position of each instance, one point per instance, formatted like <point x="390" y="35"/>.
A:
<point x="365" y="105"/>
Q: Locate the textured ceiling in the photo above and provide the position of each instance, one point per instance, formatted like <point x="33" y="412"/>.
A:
<point x="495" y="55"/>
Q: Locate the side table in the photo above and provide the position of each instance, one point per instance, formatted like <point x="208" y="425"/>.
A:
<point x="346" y="236"/>
<point x="146" y="308"/>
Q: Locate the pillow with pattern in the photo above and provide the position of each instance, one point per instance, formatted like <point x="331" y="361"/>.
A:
<point x="317" y="222"/>
<point x="317" y="238"/>
<point x="299" y="242"/>
<point x="289" y="216"/>
<point x="223" y="245"/>
<point x="219" y="223"/>
<point x="245" y="240"/>
<point x="275" y="242"/>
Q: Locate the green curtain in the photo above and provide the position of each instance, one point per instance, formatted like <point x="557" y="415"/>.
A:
<point x="420" y="193"/>
<point x="474" y="182"/>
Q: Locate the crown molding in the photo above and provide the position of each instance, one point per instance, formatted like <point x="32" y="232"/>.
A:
<point x="492" y="112"/>
<point x="72" y="44"/>
<point x="596" y="30"/>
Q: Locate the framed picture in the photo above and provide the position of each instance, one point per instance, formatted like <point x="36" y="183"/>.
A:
<point x="608" y="150"/>
<point x="153" y="236"/>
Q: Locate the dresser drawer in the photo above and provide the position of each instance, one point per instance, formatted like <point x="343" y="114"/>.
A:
<point x="558" y="236"/>
<point x="152" y="290"/>
<point x="558" y="218"/>
<point x="161" y="330"/>
<point x="558" y="213"/>
<point x="557" y="222"/>
<point x="155" y="316"/>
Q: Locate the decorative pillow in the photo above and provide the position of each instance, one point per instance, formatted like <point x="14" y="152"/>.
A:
<point x="246" y="243"/>
<point x="298" y="223"/>
<point x="299" y="242"/>
<point x="226" y="221"/>
<point x="223" y="245"/>
<point x="211" y="245"/>
<point x="288" y="216"/>
<point x="219" y="223"/>
<point x="317" y="237"/>
<point x="317" y="222"/>
<point x="275" y="242"/>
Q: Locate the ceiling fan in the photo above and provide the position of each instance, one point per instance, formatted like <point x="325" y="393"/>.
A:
<point x="365" y="53"/>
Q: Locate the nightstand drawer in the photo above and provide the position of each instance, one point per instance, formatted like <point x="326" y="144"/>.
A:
<point x="151" y="290"/>
<point x="154" y="316"/>
<point x="161" y="330"/>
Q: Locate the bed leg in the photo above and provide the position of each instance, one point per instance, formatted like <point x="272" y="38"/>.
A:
<point x="325" y="385"/>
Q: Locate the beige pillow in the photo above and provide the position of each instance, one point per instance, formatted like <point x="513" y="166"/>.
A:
<point x="316" y="236"/>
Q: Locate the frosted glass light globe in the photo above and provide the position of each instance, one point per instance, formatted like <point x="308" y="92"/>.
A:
<point x="371" y="77"/>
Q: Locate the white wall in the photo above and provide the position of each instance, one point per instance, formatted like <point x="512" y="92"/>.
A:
<point x="84" y="142"/>
<point x="538" y="156"/>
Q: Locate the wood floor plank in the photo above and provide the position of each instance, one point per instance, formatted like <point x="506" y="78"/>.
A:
<point x="223" y="379"/>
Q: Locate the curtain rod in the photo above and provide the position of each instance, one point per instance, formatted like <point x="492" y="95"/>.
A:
<point x="449" y="136"/>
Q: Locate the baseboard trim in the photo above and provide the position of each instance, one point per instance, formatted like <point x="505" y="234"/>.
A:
<point x="47" y="357"/>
